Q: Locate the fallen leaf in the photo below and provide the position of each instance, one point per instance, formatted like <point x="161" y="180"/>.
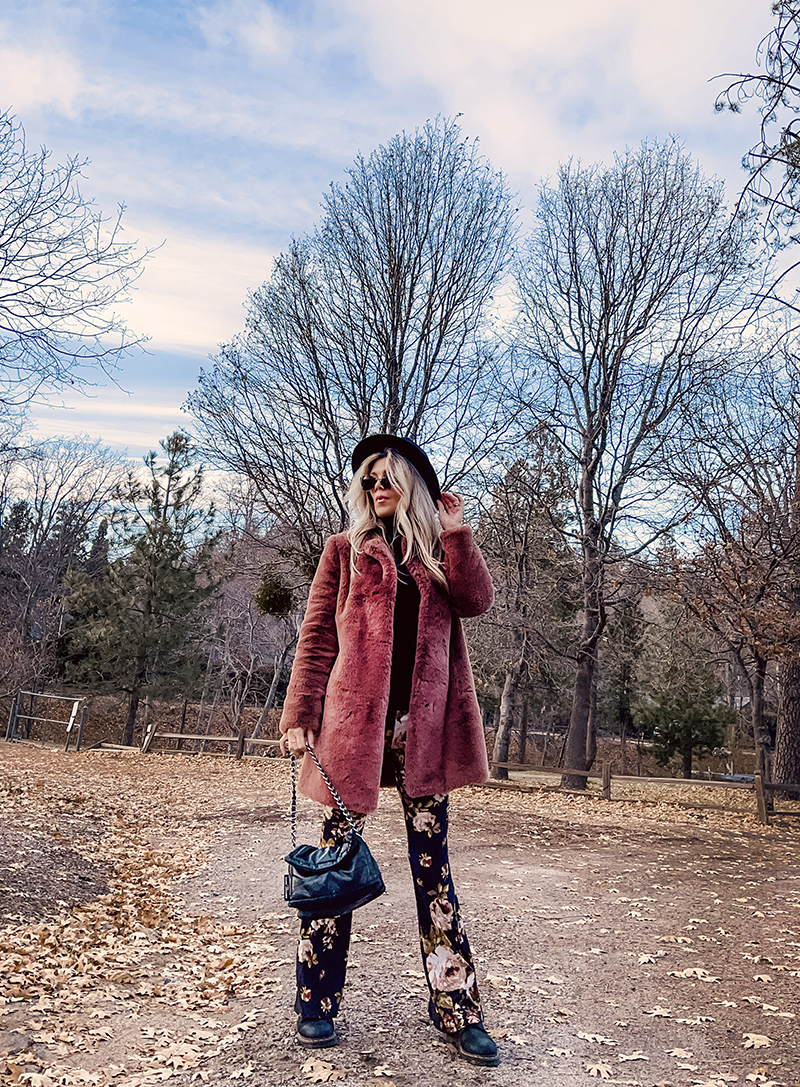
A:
<point x="762" y="977"/>
<point x="637" y="1056"/>
<point x="683" y="1053"/>
<point x="321" y="1071"/>
<point x="659" y="1013"/>
<point x="756" y="1041"/>
<point x="601" y="1071"/>
<point x="497" y="982"/>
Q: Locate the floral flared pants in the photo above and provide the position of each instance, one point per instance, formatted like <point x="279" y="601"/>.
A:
<point x="322" y="951"/>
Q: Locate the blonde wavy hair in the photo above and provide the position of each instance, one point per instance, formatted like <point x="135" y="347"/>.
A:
<point x="415" y="520"/>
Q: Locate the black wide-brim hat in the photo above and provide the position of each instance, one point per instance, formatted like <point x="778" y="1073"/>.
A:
<point x="379" y="443"/>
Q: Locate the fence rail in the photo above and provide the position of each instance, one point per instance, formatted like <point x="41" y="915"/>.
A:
<point x="764" y="791"/>
<point x="240" y="739"/>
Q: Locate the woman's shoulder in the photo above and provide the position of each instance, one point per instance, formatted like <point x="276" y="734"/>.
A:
<point x="336" y="545"/>
<point x="339" y="540"/>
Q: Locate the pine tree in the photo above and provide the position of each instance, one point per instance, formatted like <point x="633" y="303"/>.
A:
<point x="136" y="628"/>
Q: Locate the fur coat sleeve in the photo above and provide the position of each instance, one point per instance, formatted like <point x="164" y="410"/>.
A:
<point x="471" y="589"/>
<point x="317" y="648"/>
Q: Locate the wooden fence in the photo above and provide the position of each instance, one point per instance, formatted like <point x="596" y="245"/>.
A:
<point x="77" y="716"/>
<point x="765" y="798"/>
<point x="764" y="791"/>
<point x="236" y="743"/>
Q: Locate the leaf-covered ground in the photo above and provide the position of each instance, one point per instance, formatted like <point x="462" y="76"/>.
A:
<point x="143" y="936"/>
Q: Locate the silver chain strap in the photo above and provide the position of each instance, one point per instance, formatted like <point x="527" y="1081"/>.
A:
<point x="332" y="789"/>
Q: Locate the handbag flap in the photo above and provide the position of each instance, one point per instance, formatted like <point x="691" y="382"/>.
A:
<point x="308" y="859"/>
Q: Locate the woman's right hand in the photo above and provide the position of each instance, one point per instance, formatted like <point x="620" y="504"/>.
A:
<point x="294" y="740"/>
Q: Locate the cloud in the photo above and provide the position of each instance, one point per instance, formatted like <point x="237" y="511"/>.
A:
<point x="191" y="295"/>
<point x="540" y="82"/>
<point x="249" y="24"/>
<point x="134" y="424"/>
<point x="39" y="79"/>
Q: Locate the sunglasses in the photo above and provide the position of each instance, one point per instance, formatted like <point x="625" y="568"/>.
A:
<point x="369" y="483"/>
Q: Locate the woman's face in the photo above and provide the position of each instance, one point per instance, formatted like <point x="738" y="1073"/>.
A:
<point x="384" y="497"/>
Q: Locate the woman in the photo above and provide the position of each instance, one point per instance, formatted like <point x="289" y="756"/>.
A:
<point x="382" y="689"/>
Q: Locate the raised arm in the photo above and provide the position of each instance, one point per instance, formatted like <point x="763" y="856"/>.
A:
<point x="471" y="589"/>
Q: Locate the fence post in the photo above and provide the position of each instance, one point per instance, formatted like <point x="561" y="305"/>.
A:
<point x="606" y="780"/>
<point x="12" y="718"/>
<point x="149" y="734"/>
<point x="761" y="804"/>
<point x="240" y="744"/>
<point x="81" y="723"/>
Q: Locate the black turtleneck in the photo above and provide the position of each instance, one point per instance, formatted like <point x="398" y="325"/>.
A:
<point x="406" y="621"/>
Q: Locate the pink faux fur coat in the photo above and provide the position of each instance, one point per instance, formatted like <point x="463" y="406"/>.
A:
<point x="340" y="679"/>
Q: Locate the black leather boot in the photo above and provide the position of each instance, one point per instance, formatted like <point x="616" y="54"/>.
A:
<point x="475" y="1046"/>
<point x="316" y="1033"/>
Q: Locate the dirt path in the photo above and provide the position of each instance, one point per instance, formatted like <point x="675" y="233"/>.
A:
<point x="620" y="942"/>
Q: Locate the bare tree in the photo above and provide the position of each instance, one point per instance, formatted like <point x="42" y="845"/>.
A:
<point x="253" y="625"/>
<point x="626" y="292"/>
<point x="375" y="322"/>
<point x="53" y="496"/>
<point x="773" y="160"/>
<point x="524" y="641"/>
<point x="63" y="267"/>
<point x="743" y="580"/>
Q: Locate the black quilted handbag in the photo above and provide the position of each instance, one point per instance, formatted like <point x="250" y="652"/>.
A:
<point x="327" y="881"/>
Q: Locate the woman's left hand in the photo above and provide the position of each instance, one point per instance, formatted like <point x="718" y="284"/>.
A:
<point x="451" y="511"/>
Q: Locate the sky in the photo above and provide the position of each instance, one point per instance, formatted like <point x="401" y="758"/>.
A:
<point x="219" y="125"/>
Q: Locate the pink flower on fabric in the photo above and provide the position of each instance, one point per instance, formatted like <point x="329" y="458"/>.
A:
<point x="447" y="971"/>
<point x="305" y="952"/>
<point x="425" y="860"/>
<point x="424" y="821"/>
<point x="325" y="1004"/>
<point x="442" y="914"/>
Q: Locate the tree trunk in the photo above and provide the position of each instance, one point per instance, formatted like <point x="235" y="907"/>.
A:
<point x="269" y="702"/>
<point x="523" y="733"/>
<point x="182" y="728"/>
<point x="624" y="715"/>
<point x="591" y="732"/>
<point x="761" y="738"/>
<point x="687" y="763"/>
<point x="133" y="702"/>
<point x="130" y="721"/>
<point x="503" y="736"/>
<point x="577" y="743"/>
<point x="547" y="734"/>
<point x="786" y="764"/>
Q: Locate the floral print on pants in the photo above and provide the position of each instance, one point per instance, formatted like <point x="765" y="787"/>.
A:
<point x="322" y="951"/>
